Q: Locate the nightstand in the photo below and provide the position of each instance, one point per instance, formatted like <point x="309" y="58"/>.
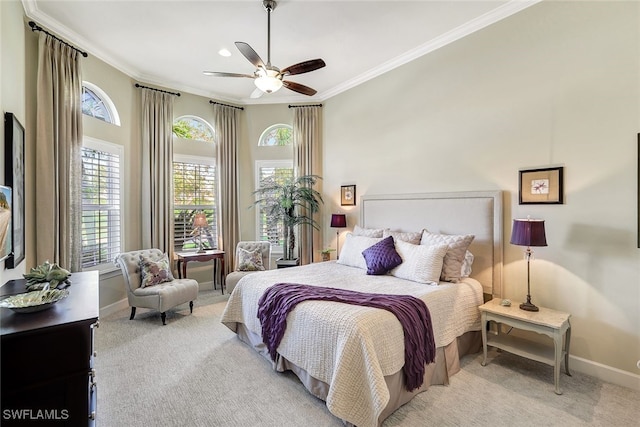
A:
<point x="552" y="323"/>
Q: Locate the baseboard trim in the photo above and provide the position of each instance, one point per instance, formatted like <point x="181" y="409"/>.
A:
<point x="605" y="372"/>
<point x="113" y="308"/>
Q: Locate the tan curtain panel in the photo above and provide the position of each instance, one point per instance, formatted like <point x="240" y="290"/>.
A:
<point x="307" y="140"/>
<point x="157" y="170"/>
<point x="58" y="155"/>
<point x="226" y="136"/>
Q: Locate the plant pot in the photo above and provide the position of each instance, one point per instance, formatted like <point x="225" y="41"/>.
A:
<point x="326" y="256"/>
<point x="284" y="263"/>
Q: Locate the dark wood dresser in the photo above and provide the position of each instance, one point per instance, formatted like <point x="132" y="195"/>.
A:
<point x="46" y="358"/>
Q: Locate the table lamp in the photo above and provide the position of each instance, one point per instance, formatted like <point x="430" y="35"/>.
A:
<point x="199" y="223"/>
<point x="338" y="221"/>
<point x="528" y="232"/>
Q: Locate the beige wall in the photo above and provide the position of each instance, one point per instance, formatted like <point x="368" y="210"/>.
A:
<point x="557" y="84"/>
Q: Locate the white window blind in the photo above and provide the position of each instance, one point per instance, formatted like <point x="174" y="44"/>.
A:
<point x="194" y="191"/>
<point x="278" y="171"/>
<point x="101" y="219"/>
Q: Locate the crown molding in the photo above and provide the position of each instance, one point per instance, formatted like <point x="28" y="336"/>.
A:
<point x="510" y="8"/>
<point x="476" y="24"/>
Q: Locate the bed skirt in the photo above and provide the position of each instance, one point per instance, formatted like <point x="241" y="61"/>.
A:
<point x="446" y="365"/>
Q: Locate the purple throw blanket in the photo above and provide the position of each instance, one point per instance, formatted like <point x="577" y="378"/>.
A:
<point x="419" y="345"/>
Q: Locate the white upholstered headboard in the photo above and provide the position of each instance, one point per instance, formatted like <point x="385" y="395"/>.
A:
<point x="476" y="212"/>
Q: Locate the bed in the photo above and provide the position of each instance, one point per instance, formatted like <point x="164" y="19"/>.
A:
<point x="352" y="356"/>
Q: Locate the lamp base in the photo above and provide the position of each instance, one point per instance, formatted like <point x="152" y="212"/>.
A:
<point x="528" y="306"/>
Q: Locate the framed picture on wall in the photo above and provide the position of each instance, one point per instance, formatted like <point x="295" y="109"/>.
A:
<point x="14" y="178"/>
<point x="541" y="186"/>
<point x="348" y="195"/>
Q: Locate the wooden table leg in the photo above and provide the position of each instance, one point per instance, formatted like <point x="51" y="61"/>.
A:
<point x="222" y="276"/>
<point x="215" y="273"/>
<point x="179" y="269"/>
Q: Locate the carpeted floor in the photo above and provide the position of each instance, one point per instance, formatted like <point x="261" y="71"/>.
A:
<point x="195" y="372"/>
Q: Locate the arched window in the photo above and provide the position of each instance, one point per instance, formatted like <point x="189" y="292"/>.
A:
<point x="192" y="127"/>
<point x="276" y="135"/>
<point x="96" y="103"/>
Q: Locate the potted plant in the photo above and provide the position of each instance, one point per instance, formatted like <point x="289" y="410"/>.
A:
<point x="289" y="203"/>
<point x="326" y="254"/>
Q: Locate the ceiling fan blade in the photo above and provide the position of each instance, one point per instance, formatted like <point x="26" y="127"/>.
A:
<point x="304" y="67"/>
<point x="297" y="87"/>
<point x="222" y="74"/>
<point x="257" y="93"/>
<point x="250" y="54"/>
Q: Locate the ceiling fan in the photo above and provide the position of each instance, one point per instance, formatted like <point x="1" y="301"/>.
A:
<point x="267" y="78"/>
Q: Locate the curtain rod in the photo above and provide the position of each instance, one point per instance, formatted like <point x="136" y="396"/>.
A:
<point x="308" y="105"/>
<point x="36" y="27"/>
<point x="158" y="90"/>
<point x="226" y="105"/>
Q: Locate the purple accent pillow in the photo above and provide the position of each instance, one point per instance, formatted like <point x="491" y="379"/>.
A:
<point x="381" y="257"/>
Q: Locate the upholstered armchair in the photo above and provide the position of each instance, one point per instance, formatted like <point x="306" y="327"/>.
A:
<point x="246" y="261"/>
<point x="150" y="284"/>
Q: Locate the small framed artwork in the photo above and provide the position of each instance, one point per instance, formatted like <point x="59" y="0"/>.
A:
<point x="348" y="195"/>
<point x="541" y="186"/>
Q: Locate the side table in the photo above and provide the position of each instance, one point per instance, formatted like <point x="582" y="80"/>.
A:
<point x="216" y="255"/>
<point x="552" y="323"/>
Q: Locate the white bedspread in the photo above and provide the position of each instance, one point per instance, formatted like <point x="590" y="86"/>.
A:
<point x="353" y="348"/>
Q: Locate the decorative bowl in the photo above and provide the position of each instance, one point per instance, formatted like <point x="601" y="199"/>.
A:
<point x="34" y="301"/>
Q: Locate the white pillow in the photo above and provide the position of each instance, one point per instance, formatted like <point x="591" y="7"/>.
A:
<point x="351" y="252"/>
<point x="406" y="236"/>
<point x="367" y="232"/>
<point x="454" y="258"/>
<point x="420" y="263"/>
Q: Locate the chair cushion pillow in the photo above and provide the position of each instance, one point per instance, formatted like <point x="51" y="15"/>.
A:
<point x="381" y="257"/>
<point x="250" y="260"/>
<point x="154" y="271"/>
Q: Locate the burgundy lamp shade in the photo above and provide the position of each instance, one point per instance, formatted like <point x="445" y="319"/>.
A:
<point x="338" y="220"/>
<point x="528" y="232"/>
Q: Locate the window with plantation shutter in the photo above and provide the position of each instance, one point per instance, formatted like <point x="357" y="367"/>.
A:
<point x="194" y="186"/>
<point x="101" y="208"/>
<point x="278" y="171"/>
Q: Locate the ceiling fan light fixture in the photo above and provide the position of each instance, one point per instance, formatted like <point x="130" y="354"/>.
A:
<point x="268" y="81"/>
<point x="267" y="78"/>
